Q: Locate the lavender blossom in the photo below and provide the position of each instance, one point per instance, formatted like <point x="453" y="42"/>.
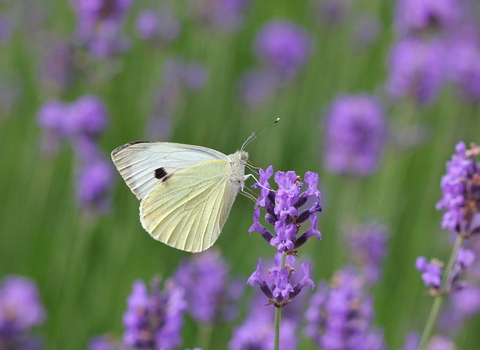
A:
<point x="461" y="192"/>
<point x="158" y="26"/>
<point x="279" y="287"/>
<point x="432" y="272"/>
<point x="437" y="342"/>
<point x="283" y="47"/>
<point x="416" y="69"/>
<point x="422" y="15"/>
<point x="355" y="135"/>
<point x="99" y="25"/>
<point x="367" y="244"/>
<point x="330" y="12"/>
<point x="256" y="332"/>
<point x="211" y="297"/>
<point x="52" y="116"/>
<point x="340" y="316"/>
<point x="223" y="15"/>
<point x="153" y="320"/>
<point x="94" y="184"/>
<point x="20" y="310"/>
<point x="464" y="68"/>
<point x="104" y="343"/>
<point x="58" y="69"/>
<point x="283" y="209"/>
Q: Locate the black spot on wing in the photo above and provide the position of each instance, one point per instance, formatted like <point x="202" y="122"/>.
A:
<point x="165" y="178"/>
<point x="160" y="172"/>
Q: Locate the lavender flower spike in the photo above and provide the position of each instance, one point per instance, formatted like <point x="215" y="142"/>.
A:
<point x="284" y="209"/>
<point x="461" y="192"/>
<point x="355" y="135"/>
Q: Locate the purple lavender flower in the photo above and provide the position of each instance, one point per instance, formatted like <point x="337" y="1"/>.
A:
<point x="178" y="74"/>
<point x="437" y="342"/>
<point x="88" y="116"/>
<point x="153" y="320"/>
<point x="423" y="15"/>
<point x="210" y="295"/>
<point x="367" y="243"/>
<point x="94" y="184"/>
<point x="355" y="135"/>
<point x="284" y="47"/>
<point x="330" y="12"/>
<point x="431" y="272"/>
<point x="99" y="25"/>
<point x="340" y="316"/>
<point x="283" y="209"/>
<point x="464" y="68"/>
<point x="58" y="65"/>
<point x="52" y="116"/>
<point x="20" y="310"/>
<point x="161" y="26"/>
<point x="256" y="332"/>
<point x="224" y="15"/>
<point x="461" y="192"/>
<point x="416" y="69"/>
<point x="367" y="30"/>
<point x="280" y="288"/>
<point x="103" y="342"/>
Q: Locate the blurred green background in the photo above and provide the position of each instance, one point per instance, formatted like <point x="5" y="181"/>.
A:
<point x="85" y="268"/>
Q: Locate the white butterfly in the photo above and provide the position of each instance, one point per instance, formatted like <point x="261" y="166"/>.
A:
<point x="186" y="191"/>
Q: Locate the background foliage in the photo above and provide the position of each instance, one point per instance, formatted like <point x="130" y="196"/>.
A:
<point x="85" y="267"/>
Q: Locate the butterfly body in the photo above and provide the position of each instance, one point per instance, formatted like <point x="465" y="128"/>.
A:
<point x="186" y="191"/>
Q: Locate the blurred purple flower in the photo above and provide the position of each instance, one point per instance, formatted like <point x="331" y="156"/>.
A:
<point x="431" y="272"/>
<point x="153" y="320"/>
<point x="284" y="47"/>
<point x="103" y="342"/>
<point x="437" y="342"/>
<point x="178" y="73"/>
<point x="422" y="15"/>
<point x="330" y="12"/>
<point x="367" y="30"/>
<point x="52" y="116"/>
<point x="94" y="184"/>
<point x="99" y="25"/>
<point x="367" y="244"/>
<point x="416" y="69"/>
<point x="88" y="116"/>
<point x="464" y="68"/>
<point x="463" y="304"/>
<point x="356" y="133"/>
<point x="340" y="316"/>
<point x="58" y="65"/>
<point x="283" y="209"/>
<point x="461" y="192"/>
<point x="257" y="85"/>
<point x="225" y="15"/>
<point x="158" y="26"/>
<point x="256" y="332"/>
<point x="5" y="30"/>
<point x="20" y="310"/>
<point x="211" y="297"/>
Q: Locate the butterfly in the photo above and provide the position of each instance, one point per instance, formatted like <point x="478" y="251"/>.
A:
<point x="185" y="191"/>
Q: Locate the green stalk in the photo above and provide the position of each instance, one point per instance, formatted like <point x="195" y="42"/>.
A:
<point x="439" y="298"/>
<point x="278" y="314"/>
<point x="204" y="335"/>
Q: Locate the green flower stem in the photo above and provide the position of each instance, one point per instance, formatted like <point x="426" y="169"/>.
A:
<point x="278" y="314"/>
<point x="204" y="335"/>
<point x="439" y="297"/>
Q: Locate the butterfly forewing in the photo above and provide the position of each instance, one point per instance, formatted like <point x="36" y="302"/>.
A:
<point x="189" y="210"/>
<point x="144" y="164"/>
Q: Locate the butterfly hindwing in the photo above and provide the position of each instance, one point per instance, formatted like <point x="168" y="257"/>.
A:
<point x="144" y="164"/>
<point x="189" y="209"/>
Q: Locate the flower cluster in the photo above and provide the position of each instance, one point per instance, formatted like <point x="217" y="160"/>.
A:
<point x="355" y="135"/>
<point x="280" y="287"/>
<point x="210" y="296"/>
<point x="80" y="123"/>
<point x="20" y="310"/>
<point x="283" y="209"/>
<point x="340" y="315"/>
<point x="367" y="245"/>
<point x="99" y="25"/>
<point x="160" y="27"/>
<point x="432" y="272"/>
<point x="153" y="320"/>
<point x="416" y="69"/>
<point x="461" y="192"/>
<point x="257" y="330"/>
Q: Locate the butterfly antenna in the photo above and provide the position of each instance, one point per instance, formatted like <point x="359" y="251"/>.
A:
<point x="253" y="136"/>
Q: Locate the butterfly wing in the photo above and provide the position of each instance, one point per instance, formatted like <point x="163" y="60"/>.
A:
<point x="144" y="164"/>
<point x="188" y="210"/>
